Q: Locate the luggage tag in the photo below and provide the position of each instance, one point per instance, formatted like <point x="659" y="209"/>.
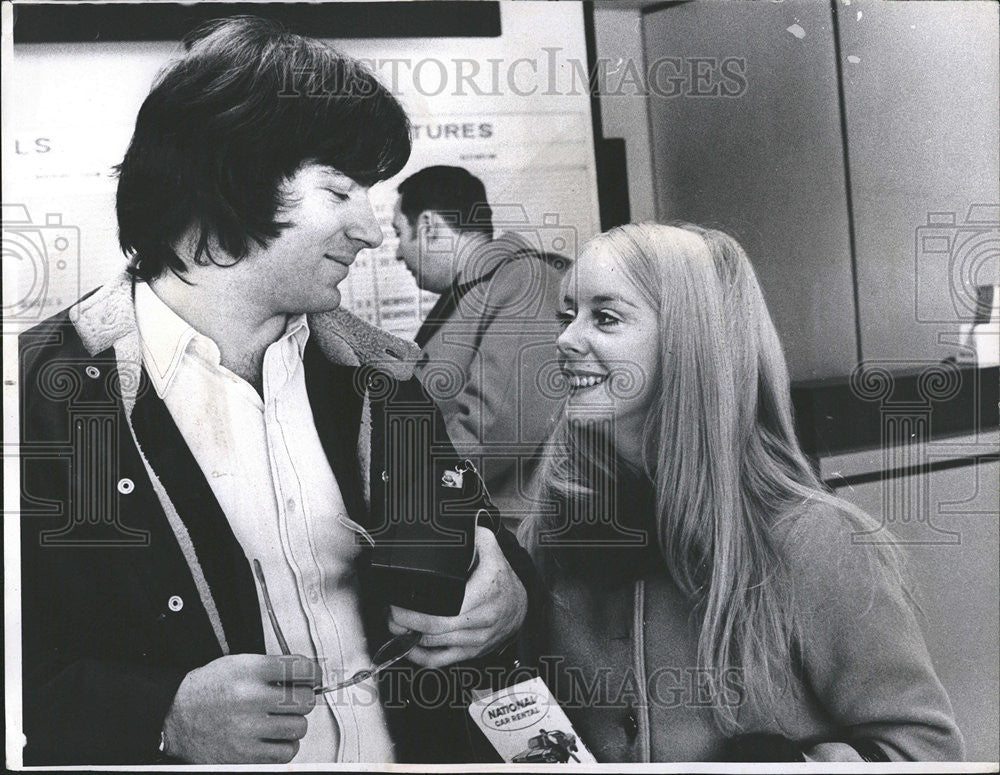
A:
<point x="525" y="725"/>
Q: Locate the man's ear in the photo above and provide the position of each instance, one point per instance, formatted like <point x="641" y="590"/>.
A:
<point x="423" y="227"/>
<point x="437" y="227"/>
<point x="186" y="245"/>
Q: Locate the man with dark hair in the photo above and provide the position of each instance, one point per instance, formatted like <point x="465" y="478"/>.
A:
<point x="488" y="353"/>
<point x="224" y="415"/>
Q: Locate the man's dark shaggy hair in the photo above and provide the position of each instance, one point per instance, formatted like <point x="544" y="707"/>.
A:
<point x="226" y="124"/>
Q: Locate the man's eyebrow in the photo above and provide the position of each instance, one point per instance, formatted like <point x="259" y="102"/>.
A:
<point x="333" y="174"/>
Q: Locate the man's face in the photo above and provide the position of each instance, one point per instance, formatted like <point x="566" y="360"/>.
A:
<point x="431" y="268"/>
<point x="331" y="220"/>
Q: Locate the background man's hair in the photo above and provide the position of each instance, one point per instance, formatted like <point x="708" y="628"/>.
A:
<point x="225" y="125"/>
<point x="451" y="191"/>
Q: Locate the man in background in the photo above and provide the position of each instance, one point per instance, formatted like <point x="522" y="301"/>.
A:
<point x="488" y="345"/>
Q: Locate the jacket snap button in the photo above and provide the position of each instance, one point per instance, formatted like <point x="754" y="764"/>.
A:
<point x="631" y="725"/>
<point x="175" y="603"/>
<point x="93" y="372"/>
<point x="125" y="486"/>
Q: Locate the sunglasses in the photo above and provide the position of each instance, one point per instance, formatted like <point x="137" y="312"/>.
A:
<point x="389" y="654"/>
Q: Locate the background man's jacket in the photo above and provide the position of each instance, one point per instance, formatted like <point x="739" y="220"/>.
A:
<point x="490" y="362"/>
<point x="131" y="575"/>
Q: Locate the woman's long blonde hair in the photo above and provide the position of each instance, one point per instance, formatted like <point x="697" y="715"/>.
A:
<point x="721" y="451"/>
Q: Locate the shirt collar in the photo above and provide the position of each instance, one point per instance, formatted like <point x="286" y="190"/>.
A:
<point x="297" y="329"/>
<point x="166" y="336"/>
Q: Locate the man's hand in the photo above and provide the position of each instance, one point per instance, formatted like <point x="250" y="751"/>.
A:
<point x="493" y="609"/>
<point x="244" y="708"/>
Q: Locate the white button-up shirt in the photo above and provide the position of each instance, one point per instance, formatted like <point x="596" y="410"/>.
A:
<point x="266" y="466"/>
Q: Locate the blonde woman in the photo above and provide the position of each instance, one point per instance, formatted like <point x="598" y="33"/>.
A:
<point x="707" y="598"/>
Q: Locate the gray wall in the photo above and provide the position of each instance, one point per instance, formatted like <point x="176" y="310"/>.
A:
<point x="766" y="165"/>
<point x="624" y="112"/>
<point x="921" y="101"/>
<point x="769" y="165"/>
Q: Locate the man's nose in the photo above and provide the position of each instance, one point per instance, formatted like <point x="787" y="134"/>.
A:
<point x="365" y="227"/>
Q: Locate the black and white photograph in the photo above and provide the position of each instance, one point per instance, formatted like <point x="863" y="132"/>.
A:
<point x="464" y="385"/>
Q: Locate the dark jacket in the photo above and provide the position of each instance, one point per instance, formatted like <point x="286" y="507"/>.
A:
<point x="131" y="575"/>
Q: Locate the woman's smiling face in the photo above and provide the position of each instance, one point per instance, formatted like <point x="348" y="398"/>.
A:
<point x="609" y="348"/>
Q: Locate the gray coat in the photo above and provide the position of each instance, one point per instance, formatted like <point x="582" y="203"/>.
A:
<point x="621" y="656"/>
<point x="492" y="367"/>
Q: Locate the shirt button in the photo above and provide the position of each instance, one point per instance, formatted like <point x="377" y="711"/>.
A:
<point x="93" y="372"/>
<point x="175" y="603"/>
<point x="290" y="504"/>
<point x="125" y="485"/>
<point x="313" y="595"/>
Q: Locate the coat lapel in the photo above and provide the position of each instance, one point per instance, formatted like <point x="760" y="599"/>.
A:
<point x="440" y="312"/>
<point x="225" y="567"/>
<point x="341" y="350"/>
<point x="336" y="399"/>
<point x="448" y="302"/>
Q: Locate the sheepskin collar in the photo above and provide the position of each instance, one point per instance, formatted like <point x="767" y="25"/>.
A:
<point x="107" y="317"/>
